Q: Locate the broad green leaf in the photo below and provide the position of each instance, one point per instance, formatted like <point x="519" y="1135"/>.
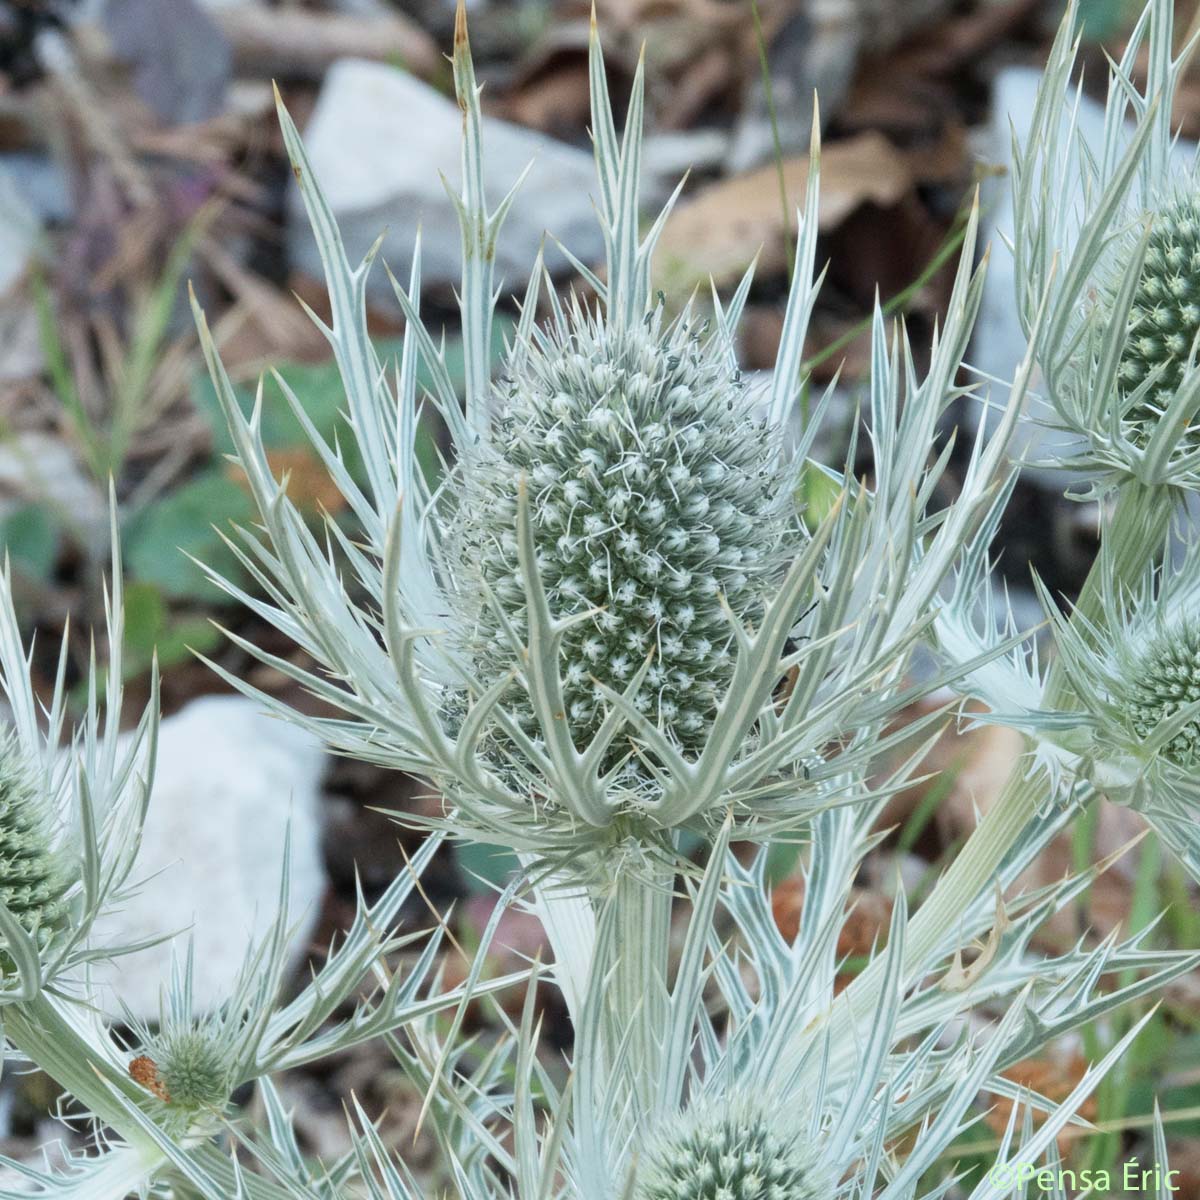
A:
<point x="31" y="536"/>
<point x="159" y="538"/>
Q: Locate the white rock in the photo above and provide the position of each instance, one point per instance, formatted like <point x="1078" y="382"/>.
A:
<point x="229" y="780"/>
<point x="20" y="340"/>
<point x="40" y="468"/>
<point x="668" y="155"/>
<point x="19" y="232"/>
<point x="379" y="141"/>
<point x="998" y="343"/>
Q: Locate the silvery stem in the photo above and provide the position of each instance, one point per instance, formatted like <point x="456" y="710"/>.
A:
<point x="639" y="974"/>
<point x="1139" y="523"/>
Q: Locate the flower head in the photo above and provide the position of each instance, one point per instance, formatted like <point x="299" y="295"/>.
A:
<point x="1107" y="243"/>
<point x="33" y="877"/>
<point x="192" y="1069"/>
<point x="659" y="504"/>
<point x="1163" y="681"/>
<point x="1164" y="318"/>
<point x="71" y="806"/>
<point x="730" y="1150"/>
<point x="1130" y="726"/>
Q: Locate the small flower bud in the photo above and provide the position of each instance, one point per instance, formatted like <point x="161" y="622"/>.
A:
<point x="192" y="1071"/>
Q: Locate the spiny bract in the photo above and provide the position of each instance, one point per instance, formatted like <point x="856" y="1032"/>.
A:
<point x="656" y="499"/>
<point x="1163" y="680"/>
<point x="1165" y="315"/>
<point x="32" y="879"/>
<point x="727" y="1151"/>
<point x="192" y="1070"/>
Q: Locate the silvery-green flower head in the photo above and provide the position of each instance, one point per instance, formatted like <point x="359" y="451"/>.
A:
<point x="33" y="874"/>
<point x="729" y="1149"/>
<point x="186" y="1068"/>
<point x="1164" y="318"/>
<point x="1107" y="238"/>
<point x="71" y="805"/>
<point x="659" y="507"/>
<point x="1135" y="685"/>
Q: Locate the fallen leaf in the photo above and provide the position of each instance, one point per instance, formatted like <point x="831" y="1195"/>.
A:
<point x="720" y="230"/>
<point x="1054" y="1075"/>
<point x="309" y="485"/>
<point x="1183" y="1154"/>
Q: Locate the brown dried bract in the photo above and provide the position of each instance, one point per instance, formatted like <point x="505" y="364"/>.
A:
<point x="144" y="1071"/>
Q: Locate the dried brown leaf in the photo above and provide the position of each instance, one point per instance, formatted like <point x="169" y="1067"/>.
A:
<point x="721" y="229"/>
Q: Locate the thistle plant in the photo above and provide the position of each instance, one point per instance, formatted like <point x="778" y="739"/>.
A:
<point x="1118" y="355"/>
<point x="617" y="642"/>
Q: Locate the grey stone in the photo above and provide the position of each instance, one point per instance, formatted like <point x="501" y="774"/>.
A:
<point x="181" y="61"/>
<point x="667" y="155"/>
<point x="37" y="182"/>
<point x="379" y="142"/>
<point x="230" y="783"/>
<point x="39" y="468"/>
<point x="20" y="229"/>
<point x="816" y="51"/>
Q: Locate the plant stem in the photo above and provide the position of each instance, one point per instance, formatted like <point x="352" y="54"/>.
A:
<point x="1134" y="537"/>
<point x="639" y="977"/>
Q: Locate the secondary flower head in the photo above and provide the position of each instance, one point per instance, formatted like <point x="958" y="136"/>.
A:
<point x="1106" y="235"/>
<point x="659" y="503"/>
<point x="1164" y="682"/>
<point x="33" y="874"/>
<point x="1164" y="317"/>
<point x="71" y="807"/>
<point x="729" y="1150"/>
<point x="1132" y="723"/>
<point x="192" y="1069"/>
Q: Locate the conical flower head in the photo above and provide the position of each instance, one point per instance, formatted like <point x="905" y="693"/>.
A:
<point x="1164" y="680"/>
<point x="658" y="507"/>
<point x="32" y="880"/>
<point x="728" y="1150"/>
<point x="1164" y="318"/>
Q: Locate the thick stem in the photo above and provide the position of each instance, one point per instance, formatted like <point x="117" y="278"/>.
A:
<point x="639" y="974"/>
<point x="1133" y="539"/>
